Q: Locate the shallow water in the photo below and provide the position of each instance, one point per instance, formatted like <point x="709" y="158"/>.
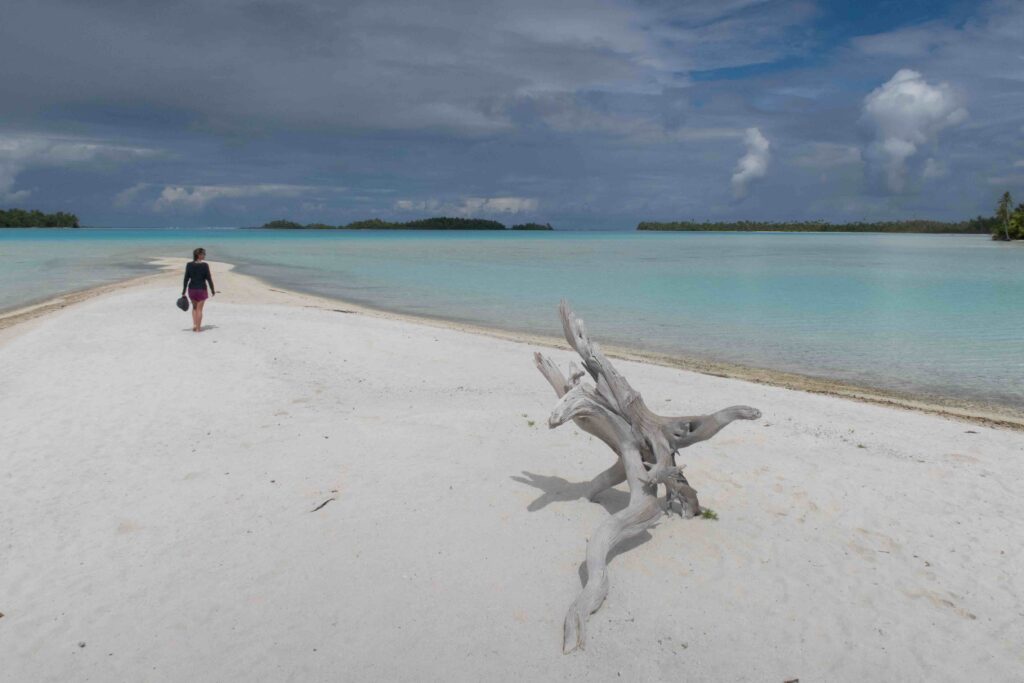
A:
<point x="933" y="315"/>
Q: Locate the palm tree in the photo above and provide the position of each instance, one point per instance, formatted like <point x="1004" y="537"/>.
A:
<point x="1003" y="213"/>
<point x="1017" y="223"/>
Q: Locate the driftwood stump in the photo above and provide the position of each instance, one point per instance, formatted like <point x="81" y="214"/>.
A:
<point x="646" y="445"/>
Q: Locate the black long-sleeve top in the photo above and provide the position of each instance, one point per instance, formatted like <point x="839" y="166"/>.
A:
<point x="197" y="274"/>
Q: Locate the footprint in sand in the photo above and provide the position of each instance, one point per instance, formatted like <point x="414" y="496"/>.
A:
<point x="938" y="601"/>
<point x="127" y="527"/>
<point x="872" y="543"/>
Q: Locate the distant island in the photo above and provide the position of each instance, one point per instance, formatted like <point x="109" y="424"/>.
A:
<point x="1007" y="224"/>
<point x="533" y="226"/>
<point x="19" y="218"/>
<point x="437" y="223"/>
<point x="977" y="226"/>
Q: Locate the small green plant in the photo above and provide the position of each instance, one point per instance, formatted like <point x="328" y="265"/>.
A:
<point x="708" y="513"/>
<point x="530" y="422"/>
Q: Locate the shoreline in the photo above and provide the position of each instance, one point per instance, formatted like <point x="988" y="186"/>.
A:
<point x="24" y="315"/>
<point x="992" y="415"/>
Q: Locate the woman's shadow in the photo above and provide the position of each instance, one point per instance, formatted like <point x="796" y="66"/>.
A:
<point x="559" y="490"/>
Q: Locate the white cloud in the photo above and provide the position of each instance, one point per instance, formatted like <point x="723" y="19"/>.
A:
<point x="127" y="196"/>
<point x="913" y="42"/>
<point x="1019" y="163"/>
<point x="564" y="113"/>
<point x="21" y="152"/>
<point x="418" y="205"/>
<point x="196" y="197"/>
<point x="471" y="205"/>
<point x="828" y="155"/>
<point x="12" y="196"/>
<point x="753" y="164"/>
<point x="905" y="114"/>
<point x="1005" y="181"/>
<point x="498" y="205"/>
<point x="933" y="168"/>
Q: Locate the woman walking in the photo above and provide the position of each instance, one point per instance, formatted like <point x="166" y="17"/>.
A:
<point x="197" y="274"/>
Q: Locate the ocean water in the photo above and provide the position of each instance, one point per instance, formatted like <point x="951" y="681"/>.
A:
<point x="932" y="315"/>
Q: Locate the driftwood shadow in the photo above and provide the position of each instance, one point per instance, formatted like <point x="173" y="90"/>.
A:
<point x="559" y="490"/>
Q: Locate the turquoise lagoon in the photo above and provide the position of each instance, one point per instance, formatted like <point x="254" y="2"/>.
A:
<point x="937" y="316"/>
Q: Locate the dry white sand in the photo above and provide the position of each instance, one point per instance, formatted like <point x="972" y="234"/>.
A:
<point x="159" y="488"/>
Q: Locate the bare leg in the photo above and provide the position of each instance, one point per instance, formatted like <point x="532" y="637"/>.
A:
<point x="195" y="317"/>
<point x="199" y="315"/>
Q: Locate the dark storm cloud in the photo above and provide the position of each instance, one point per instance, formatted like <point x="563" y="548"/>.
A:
<point x="370" y="64"/>
<point x="582" y="112"/>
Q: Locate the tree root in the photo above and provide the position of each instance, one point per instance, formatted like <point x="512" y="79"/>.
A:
<point x="632" y="521"/>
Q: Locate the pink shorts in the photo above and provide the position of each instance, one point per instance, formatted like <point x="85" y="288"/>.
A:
<point x="197" y="294"/>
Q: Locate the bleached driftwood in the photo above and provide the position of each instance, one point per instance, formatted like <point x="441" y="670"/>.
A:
<point x="646" y="445"/>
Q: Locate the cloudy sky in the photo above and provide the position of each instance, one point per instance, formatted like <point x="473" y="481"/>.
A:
<point x="585" y="114"/>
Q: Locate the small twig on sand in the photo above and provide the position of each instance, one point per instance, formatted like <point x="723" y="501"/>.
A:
<point x="324" y="503"/>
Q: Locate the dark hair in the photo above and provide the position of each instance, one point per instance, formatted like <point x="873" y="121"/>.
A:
<point x="197" y="252"/>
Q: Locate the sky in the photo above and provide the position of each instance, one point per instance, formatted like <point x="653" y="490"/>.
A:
<point x="583" y="114"/>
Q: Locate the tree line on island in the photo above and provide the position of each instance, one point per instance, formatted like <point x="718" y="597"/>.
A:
<point x="1006" y="224"/>
<point x="20" y="218"/>
<point x="979" y="225"/>
<point x="437" y="223"/>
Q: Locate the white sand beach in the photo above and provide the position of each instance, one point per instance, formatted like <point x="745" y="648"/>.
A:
<point x="308" y="492"/>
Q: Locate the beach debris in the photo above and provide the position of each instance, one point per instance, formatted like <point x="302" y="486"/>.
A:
<point x="320" y="506"/>
<point x="646" y="445"/>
